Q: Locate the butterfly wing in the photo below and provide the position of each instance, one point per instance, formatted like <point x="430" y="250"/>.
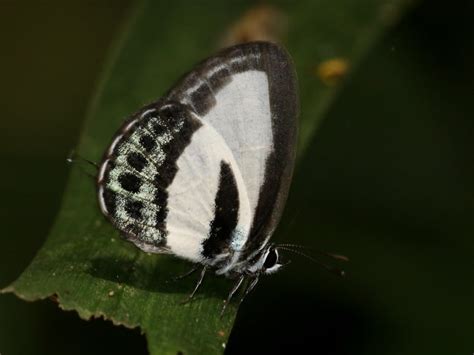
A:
<point x="171" y="185"/>
<point x="204" y="172"/>
<point x="248" y="94"/>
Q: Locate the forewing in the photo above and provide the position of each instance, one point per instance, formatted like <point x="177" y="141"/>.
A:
<point x="208" y="203"/>
<point x="248" y="94"/>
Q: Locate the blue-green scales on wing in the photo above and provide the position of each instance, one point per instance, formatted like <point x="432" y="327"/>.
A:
<point x="138" y="168"/>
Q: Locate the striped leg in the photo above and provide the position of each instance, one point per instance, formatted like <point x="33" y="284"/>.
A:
<point x="201" y="277"/>
<point x="188" y="273"/>
<point x="231" y="293"/>
<point x="249" y="289"/>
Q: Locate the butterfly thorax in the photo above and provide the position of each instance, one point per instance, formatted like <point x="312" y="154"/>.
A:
<point x="264" y="261"/>
<point x="237" y="258"/>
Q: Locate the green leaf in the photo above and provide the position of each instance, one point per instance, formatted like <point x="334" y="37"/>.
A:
<point x="84" y="265"/>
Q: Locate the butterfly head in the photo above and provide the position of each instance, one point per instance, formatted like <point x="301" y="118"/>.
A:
<point x="266" y="262"/>
<point x="272" y="262"/>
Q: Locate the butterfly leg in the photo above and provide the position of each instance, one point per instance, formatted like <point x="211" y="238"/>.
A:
<point x="249" y="289"/>
<point x="231" y="293"/>
<point x="201" y="277"/>
<point x="180" y="277"/>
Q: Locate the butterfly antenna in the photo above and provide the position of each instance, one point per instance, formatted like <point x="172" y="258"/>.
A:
<point x="330" y="255"/>
<point x="323" y="265"/>
<point x="76" y="158"/>
<point x="292" y="222"/>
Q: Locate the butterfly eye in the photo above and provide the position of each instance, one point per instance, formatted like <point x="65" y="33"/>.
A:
<point x="271" y="260"/>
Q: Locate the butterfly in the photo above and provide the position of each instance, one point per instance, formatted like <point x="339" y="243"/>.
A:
<point x="203" y="173"/>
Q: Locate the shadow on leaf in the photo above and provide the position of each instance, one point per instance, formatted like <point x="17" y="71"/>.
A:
<point x="156" y="276"/>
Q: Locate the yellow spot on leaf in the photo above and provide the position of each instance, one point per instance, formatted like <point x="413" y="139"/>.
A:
<point x="332" y="71"/>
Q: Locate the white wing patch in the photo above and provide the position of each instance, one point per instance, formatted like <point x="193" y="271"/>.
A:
<point x="193" y="191"/>
<point x="242" y="117"/>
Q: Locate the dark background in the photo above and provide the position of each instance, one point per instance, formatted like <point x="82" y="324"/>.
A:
<point x="391" y="167"/>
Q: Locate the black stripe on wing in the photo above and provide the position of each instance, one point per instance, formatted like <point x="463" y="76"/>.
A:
<point x="226" y="214"/>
